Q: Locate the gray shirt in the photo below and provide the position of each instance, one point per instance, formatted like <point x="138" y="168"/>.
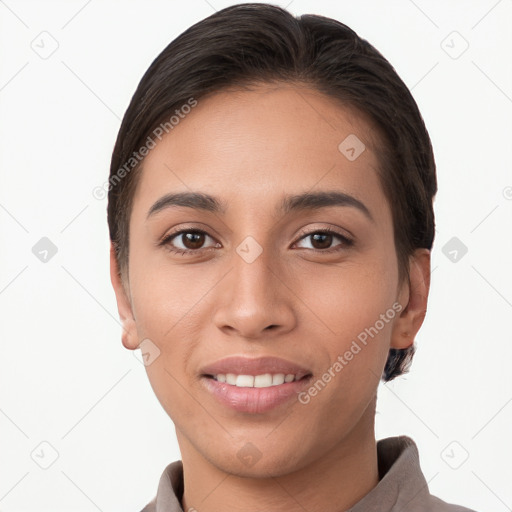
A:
<point x="401" y="488"/>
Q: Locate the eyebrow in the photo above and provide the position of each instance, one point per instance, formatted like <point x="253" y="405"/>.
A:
<point x="290" y="203"/>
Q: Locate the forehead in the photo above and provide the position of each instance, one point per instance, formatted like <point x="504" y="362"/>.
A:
<point x="264" y="141"/>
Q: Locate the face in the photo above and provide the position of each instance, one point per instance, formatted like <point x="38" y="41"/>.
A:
<point x="265" y="275"/>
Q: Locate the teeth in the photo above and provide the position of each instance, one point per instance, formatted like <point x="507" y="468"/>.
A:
<point x="277" y="379"/>
<point x="244" y="381"/>
<point x="263" y="381"/>
<point x="258" y="381"/>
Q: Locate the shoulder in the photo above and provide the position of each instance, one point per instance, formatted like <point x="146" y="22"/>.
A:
<point x="151" y="506"/>
<point x="170" y="490"/>
<point x="402" y="485"/>
<point x="438" y="505"/>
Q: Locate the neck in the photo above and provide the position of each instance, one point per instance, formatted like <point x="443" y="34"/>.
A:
<point x="332" y="482"/>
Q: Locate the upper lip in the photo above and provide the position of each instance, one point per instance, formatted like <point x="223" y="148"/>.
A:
<point x="254" y="366"/>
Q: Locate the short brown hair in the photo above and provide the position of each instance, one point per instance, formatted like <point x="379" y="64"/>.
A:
<point x="252" y="43"/>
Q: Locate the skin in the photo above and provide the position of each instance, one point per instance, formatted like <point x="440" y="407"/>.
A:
<point x="249" y="148"/>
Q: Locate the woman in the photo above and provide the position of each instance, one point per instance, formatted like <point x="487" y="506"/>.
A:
<point x="270" y="212"/>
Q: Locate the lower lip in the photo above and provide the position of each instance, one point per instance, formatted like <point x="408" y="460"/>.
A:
<point x="254" y="400"/>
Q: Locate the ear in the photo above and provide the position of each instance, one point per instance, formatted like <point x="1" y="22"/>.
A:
<point x="413" y="296"/>
<point x="129" y="337"/>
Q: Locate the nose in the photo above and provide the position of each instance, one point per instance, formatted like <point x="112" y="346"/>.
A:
<point x="254" y="300"/>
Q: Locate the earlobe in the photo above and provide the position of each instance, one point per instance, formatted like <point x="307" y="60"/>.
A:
<point x="411" y="318"/>
<point x="129" y="335"/>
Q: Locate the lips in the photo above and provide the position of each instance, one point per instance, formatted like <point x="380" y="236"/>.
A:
<point x="254" y="385"/>
<point x="254" y="367"/>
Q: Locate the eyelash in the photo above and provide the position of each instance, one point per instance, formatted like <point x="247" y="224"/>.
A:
<point x="346" y="242"/>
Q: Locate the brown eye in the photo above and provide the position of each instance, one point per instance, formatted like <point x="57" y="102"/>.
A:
<point x="192" y="240"/>
<point x="186" y="241"/>
<point x="321" y="240"/>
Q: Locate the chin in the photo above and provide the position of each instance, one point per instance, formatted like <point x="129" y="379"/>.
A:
<point x="249" y="461"/>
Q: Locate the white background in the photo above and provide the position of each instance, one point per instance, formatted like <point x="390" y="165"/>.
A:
<point x="65" y="377"/>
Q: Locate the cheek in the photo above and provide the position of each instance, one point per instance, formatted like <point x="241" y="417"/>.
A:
<point x="165" y="297"/>
<point x="168" y="312"/>
<point x="359" y="314"/>
<point x="352" y="296"/>
<point x="172" y="308"/>
<point x="355" y="306"/>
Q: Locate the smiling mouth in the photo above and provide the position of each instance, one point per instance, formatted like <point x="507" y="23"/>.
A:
<point x="265" y="380"/>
